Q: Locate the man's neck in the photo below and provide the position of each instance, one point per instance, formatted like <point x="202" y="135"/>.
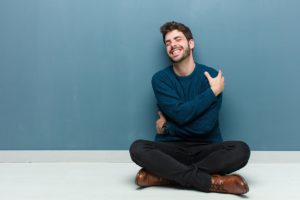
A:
<point x="185" y="67"/>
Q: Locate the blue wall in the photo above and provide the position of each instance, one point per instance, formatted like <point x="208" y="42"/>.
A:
<point x="75" y="74"/>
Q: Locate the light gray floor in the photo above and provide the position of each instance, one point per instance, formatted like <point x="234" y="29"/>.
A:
<point x="111" y="181"/>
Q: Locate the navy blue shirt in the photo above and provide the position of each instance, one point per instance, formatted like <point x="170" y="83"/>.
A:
<point x="189" y="105"/>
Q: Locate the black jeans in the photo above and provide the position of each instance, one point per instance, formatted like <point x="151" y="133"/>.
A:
<point x="190" y="164"/>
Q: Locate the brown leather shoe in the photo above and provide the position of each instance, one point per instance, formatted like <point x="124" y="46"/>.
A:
<point x="146" y="179"/>
<point x="233" y="184"/>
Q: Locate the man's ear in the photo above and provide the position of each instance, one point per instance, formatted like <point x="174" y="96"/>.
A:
<point x="191" y="43"/>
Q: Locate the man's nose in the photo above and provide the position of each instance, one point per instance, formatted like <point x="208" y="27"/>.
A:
<point x="173" y="43"/>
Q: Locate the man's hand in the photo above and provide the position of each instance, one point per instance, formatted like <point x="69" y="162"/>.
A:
<point x="217" y="83"/>
<point x="160" y="123"/>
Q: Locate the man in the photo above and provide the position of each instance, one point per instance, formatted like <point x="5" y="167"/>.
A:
<point x="188" y="149"/>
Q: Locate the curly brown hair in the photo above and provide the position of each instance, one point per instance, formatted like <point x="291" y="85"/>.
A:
<point x="170" y="26"/>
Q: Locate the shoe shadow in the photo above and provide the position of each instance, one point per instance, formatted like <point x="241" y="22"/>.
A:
<point x="179" y="187"/>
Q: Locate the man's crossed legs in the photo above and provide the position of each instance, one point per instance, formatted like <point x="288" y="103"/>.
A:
<point x="192" y="164"/>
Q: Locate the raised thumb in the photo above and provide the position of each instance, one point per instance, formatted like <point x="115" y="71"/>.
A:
<point x="207" y="75"/>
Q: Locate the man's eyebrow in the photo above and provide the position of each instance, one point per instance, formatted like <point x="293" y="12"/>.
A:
<point x="177" y="37"/>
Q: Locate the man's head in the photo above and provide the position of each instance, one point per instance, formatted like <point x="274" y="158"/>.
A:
<point x="178" y="41"/>
<point x="171" y="26"/>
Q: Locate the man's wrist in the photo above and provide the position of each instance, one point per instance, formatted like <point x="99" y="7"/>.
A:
<point x="215" y="91"/>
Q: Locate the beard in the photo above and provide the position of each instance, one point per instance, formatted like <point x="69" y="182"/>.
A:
<point x="186" y="53"/>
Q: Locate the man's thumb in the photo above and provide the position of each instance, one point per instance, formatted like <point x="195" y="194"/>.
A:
<point x="207" y="75"/>
<point x="160" y="114"/>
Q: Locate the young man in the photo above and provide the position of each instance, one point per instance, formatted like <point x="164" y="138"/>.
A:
<point x="188" y="149"/>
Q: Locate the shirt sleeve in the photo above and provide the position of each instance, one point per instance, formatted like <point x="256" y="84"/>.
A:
<point x="179" y="111"/>
<point x="202" y="125"/>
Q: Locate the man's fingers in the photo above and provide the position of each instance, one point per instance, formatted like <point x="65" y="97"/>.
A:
<point x="207" y="75"/>
<point x="160" y="114"/>
<point x="220" y="73"/>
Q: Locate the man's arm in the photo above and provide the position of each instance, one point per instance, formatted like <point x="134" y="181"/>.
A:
<point x="183" y="112"/>
<point x="179" y="111"/>
<point x="202" y="125"/>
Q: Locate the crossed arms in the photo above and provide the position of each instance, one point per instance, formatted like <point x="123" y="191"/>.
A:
<point x="196" y="116"/>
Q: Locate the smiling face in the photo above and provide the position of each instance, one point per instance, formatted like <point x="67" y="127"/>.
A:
<point x="177" y="46"/>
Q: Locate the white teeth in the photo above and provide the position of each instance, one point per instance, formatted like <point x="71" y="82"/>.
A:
<point x="176" y="51"/>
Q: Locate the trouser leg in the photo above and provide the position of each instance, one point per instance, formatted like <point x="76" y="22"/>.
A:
<point x="223" y="158"/>
<point x="167" y="160"/>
